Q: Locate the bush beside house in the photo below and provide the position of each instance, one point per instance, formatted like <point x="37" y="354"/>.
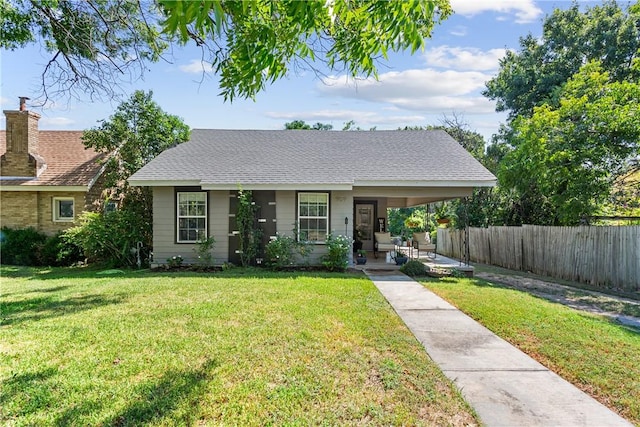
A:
<point x="27" y="246"/>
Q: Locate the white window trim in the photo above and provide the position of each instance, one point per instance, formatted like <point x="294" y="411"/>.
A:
<point x="178" y="216"/>
<point x="318" y="242"/>
<point x="55" y="211"/>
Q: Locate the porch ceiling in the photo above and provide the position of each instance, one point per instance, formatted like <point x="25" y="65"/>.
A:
<point x="402" y="197"/>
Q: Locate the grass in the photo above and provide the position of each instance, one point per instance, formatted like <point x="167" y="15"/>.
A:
<point x="243" y="347"/>
<point x="599" y="356"/>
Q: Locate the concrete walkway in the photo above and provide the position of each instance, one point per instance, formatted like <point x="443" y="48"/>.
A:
<point x="504" y="385"/>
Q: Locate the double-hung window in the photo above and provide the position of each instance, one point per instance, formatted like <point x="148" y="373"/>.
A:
<point x="63" y="209"/>
<point x="313" y="216"/>
<point x="191" y="216"/>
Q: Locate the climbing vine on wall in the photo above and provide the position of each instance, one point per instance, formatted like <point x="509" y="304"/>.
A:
<point x="247" y="222"/>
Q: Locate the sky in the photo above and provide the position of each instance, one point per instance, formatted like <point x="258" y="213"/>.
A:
<point x="421" y="89"/>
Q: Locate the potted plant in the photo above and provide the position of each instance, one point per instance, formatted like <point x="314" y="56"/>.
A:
<point x="361" y="257"/>
<point x="400" y="258"/>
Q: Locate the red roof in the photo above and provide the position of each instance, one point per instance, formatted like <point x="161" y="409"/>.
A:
<point x="68" y="162"/>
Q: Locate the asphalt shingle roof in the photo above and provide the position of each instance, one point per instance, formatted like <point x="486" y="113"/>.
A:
<point x="314" y="157"/>
<point x="68" y="162"/>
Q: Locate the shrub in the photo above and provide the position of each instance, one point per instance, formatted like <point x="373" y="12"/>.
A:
<point x="337" y="257"/>
<point x="27" y="246"/>
<point x="57" y="251"/>
<point x="109" y="238"/>
<point x="21" y="246"/>
<point x="174" y="261"/>
<point x="414" y="268"/>
<point x="279" y="252"/>
<point x="203" y="252"/>
<point x="282" y="251"/>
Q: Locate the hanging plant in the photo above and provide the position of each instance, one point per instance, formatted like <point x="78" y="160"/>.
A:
<point x="414" y="222"/>
<point x="442" y="213"/>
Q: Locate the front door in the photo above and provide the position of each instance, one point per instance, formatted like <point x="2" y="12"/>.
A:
<point x="364" y="226"/>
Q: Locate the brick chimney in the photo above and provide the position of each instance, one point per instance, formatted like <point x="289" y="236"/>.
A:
<point x="21" y="158"/>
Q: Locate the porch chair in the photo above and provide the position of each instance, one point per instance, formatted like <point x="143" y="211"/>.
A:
<point x="383" y="242"/>
<point x="422" y="242"/>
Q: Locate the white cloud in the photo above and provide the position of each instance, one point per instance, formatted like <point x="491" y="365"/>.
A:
<point x="4" y="102"/>
<point x="363" y="119"/>
<point x="464" y="58"/>
<point x="459" y="31"/>
<point x="196" y="66"/>
<point x="428" y="91"/>
<point x="525" y="11"/>
<point x="408" y="83"/>
<point x="56" y="121"/>
<point x="320" y="115"/>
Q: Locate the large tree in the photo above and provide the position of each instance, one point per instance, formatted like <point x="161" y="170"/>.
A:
<point x="555" y="162"/>
<point x="94" y="44"/>
<point x="568" y="157"/>
<point x="535" y="74"/>
<point x="137" y="132"/>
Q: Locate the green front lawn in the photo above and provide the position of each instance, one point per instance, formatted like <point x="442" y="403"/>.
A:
<point x="243" y="347"/>
<point x="600" y="357"/>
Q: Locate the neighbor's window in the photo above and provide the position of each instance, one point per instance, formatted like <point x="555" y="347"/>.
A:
<point x="63" y="209"/>
<point x="313" y="216"/>
<point x="110" y="207"/>
<point x="192" y="216"/>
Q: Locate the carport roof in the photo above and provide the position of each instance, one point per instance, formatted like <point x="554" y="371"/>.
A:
<point x="222" y="159"/>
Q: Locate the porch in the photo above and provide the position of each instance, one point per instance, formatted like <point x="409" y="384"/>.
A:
<point x="440" y="262"/>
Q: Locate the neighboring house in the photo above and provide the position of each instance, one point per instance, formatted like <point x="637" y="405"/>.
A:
<point x="47" y="178"/>
<point x="316" y="182"/>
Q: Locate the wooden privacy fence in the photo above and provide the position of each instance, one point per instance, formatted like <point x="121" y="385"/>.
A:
<point x="600" y="256"/>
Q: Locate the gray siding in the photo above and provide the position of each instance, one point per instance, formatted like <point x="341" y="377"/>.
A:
<point x="340" y="205"/>
<point x="219" y="224"/>
<point x="285" y="212"/>
<point x="164" y="245"/>
<point x="164" y="226"/>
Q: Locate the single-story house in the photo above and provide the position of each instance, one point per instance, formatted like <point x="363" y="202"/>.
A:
<point x="314" y="182"/>
<point x="46" y="177"/>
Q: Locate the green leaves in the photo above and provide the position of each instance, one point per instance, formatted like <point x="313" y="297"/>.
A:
<point x="15" y="26"/>
<point x="253" y="43"/>
<point x="574" y="118"/>
<point x="533" y="75"/>
<point x="249" y="233"/>
<point x="137" y="132"/>
<point x="571" y="154"/>
<point x="95" y="44"/>
<point x="249" y="43"/>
